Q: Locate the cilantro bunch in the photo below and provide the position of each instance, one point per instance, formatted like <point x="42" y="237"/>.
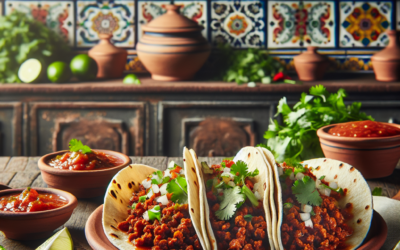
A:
<point x="297" y="138"/>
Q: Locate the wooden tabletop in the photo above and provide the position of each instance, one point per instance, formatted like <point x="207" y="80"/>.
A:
<point x="20" y="172"/>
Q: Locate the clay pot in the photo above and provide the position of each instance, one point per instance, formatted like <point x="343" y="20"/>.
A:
<point x="110" y="59"/>
<point x="374" y="157"/>
<point x="172" y="47"/>
<point x="310" y="65"/>
<point x="35" y="225"/>
<point x="386" y="63"/>
<point x="81" y="183"/>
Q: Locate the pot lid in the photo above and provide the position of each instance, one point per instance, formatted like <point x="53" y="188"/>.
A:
<point x="105" y="47"/>
<point x="310" y="56"/>
<point x="392" y="50"/>
<point x="172" y="22"/>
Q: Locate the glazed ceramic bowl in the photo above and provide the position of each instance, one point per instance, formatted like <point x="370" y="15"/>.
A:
<point x="373" y="157"/>
<point x="81" y="183"/>
<point x="36" y="225"/>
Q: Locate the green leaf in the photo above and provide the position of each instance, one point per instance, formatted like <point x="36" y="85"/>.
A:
<point x="306" y="192"/>
<point x="250" y="195"/>
<point x="76" y="145"/>
<point x="377" y="191"/>
<point x="178" y="188"/>
<point x="248" y="217"/>
<point x="228" y="207"/>
<point x="155" y="213"/>
<point x="322" y="177"/>
<point x="287" y="205"/>
<point x="283" y="107"/>
<point x="142" y="198"/>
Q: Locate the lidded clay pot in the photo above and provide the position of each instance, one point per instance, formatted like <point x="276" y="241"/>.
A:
<point x="110" y="59"/>
<point x="386" y="63"/>
<point x="310" y="65"/>
<point x="172" y="47"/>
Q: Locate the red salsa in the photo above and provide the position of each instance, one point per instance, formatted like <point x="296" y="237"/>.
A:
<point x="31" y="201"/>
<point x="364" y="129"/>
<point x="89" y="161"/>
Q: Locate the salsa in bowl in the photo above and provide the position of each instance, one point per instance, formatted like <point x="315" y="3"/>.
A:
<point x="34" y="213"/>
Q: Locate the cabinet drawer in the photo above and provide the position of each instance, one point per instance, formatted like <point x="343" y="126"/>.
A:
<point x="11" y="129"/>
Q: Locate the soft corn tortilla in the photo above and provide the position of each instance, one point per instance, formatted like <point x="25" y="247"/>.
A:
<point x="254" y="160"/>
<point x="120" y="190"/>
<point x="346" y="176"/>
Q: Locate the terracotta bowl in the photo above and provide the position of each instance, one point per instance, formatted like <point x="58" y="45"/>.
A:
<point x="81" y="183"/>
<point x="36" y="225"/>
<point x="373" y="157"/>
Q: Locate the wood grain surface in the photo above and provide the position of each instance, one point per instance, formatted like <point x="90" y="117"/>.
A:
<point x="20" y="172"/>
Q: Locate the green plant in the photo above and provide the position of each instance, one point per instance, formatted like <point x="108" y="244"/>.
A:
<point x="22" y="38"/>
<point x="297" y="139"/>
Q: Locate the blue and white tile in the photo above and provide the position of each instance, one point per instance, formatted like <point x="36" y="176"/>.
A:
<point x="363" y="24"/>
<point x="57" y="15"/>
<point x="238" y="23"/>
<point x="294" y="24"/>
<point x="194" y="10"/>
<point x="114" y="17"/>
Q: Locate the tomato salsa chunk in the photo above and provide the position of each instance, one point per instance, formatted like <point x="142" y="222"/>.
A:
<point x="89" y="161"/>
<point x="31" y="201"/>
<point x="364" y="129"/>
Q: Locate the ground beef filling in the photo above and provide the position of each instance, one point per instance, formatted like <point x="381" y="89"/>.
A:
<point x="238" y="233"/>
<point x="174" y="231"/>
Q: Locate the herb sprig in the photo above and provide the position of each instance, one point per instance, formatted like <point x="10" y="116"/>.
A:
<point x="77" y="146"/>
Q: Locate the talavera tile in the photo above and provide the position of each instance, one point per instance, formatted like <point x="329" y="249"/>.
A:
<point x="398" y="15"/>
<point x="133" y="64"/>
<point x="113" y="17"/>
<point x="149" y="10"/>
<point x="57" y="15"/>
<point x="294" y="24"/>
<point x="239" y="23"/>
<point x="363" y="24"/>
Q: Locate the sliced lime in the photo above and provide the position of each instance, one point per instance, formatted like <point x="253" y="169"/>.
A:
<point x="30" y="70"/>
<point x="60" y="241"/>
<point x="131" y="79"/>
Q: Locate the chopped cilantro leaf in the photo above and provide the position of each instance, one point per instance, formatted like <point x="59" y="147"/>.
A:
<point x="165" y="180"/>
<point x="142" y="198"/>
<point x="206" y="168"/>
<point x="338" y="190"/>
<point x="322" y="177"/>
<point x="76" y="145"/>
<point x="377" y="191"/>
<point x="312" y="213"/>
<point x="155" y="213"/>
<point x="305" y="191"/>
<point x="154" y="181"/>
<point x="248" y="217"/>
<point x="288" y="205"/>
<point x="240" y="171"/>
<point x="250" y="195"/>
<point x="178" y="188"/>
<point x="222" y="185"/>
<point x="2" y="248"/>
<point x="133" y="207"/>
<point x="231" y="198"/>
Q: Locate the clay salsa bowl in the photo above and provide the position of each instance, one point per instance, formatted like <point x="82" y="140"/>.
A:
<point x="374" y="157"/>
<point x="81" y="183"/>
<point x="35" y="225"/>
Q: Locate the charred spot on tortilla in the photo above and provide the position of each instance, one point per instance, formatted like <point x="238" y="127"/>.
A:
<point x="115" y="220"/>
<point x="359" y="221"/>
<point x="340" y="165"/>
<point x="366" y="207"/>
<point x="318" y="168"/>
<point x="306" y="166"/>
<point x="355" y="180"/>
<point x="335" y="177"/>
<point x="119" y="186"/>
<point x="129" y="185"/>
<point x="133" y="183"/>
<point x="192" y="210"/>
<point x="114" y="235"/>
<point x="256" y="152"/>
<point x="194" y="170"/>
<point x="114" y="181"/>
<point x="130" y="166"/>
<point x="351" y="169"/>
<point x="113" y="194"/>
<point x="349" y="205"/>
<point x="184" y="159"/>
<point x="195" y="183"/>
<point x="325" y="160"/>
<point x="116" y="191"/>
<point x="248" y="155"/>
<point x="265" y="186"/>
<point x="120" y="201"/>
<point x="112" y="226"/>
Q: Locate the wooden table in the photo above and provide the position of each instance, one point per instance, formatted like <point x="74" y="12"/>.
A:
<point x="20" y="172"/>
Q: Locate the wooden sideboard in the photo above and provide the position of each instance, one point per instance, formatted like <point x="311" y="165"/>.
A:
<point x="157" y="118"/>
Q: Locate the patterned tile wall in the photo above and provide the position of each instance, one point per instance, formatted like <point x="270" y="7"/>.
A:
<point x="349" y="32"/>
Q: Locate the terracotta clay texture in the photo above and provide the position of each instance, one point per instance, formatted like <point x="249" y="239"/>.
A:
<point x="172" y="47"/>
<point x="386" y="63"/>
<point x="81" y="183"/>
<point x="310" y="66"/>
<point x="36" y="225"/>
<point x="373" y="157"/>
<point x="110" y="59"/>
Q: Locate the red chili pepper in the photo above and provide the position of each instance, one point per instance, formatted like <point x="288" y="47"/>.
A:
<point x="280" y="77"/>
<point x="237" y="174"/>
<point x="228" y="163"/>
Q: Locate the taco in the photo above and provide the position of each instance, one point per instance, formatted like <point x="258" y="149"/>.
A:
<point x="145" y="208"/>
<point x="320" y="204"/>
<point x="235" y="198"/>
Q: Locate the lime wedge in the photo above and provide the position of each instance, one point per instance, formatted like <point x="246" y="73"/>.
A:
<point x="131" y="79"/>
<point x="397" y="247"/>
<point x="60" y="241"/>
<point x="30" y="70"/>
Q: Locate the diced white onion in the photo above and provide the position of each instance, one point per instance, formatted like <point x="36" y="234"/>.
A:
<point x="318" y="183"/>
<point x="308" y="223"/>
<point x="299" y="176"/>
<point x="171" y="164"/>
<point x="219" y="190"/>
<point x="280" y="171"/>
<point x="150" y="193"/>
<point x="333" y="185"/>
<point x="163" y="189"/>
<point x="291" y="176"/>
<point x="155" y="188"/>
<point x="163" y="200"/>
<point x="305" y="216"/>
<point x="146" y="183"/>
<point x="327" y="191"/>
<point x="256" y="185"/>
<point x="227" y="175"/>
<point x="231" y="183"/>
<point x="146" y="216"/>
<point x="257" y="195"/>
<point x="227" y="170"/>
<point x="167" y="173"/>
<point x="306" y="208"/>
<point x="182" y="172"/>
<point x="155" y="177"/>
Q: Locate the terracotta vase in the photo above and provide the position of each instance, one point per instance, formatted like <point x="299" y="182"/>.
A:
<point x="110" y="59"/>
<point x="172" y="47"/>
<point x="386" y="63"/>
<point x="310" y="65"/>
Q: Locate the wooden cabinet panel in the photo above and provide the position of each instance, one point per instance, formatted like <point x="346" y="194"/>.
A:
<point x="10" y="128"/>
<point x="211" y="128"/>
<point x="118" y="126"/>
